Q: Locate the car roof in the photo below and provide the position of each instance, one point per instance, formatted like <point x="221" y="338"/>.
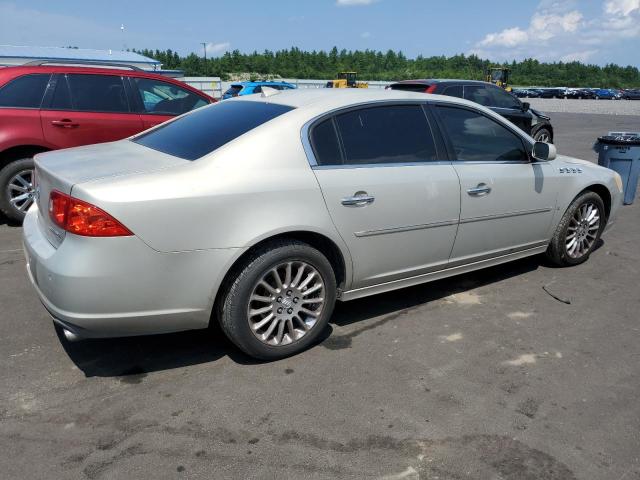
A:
<point x="329" y="99"/>
<point x="257" y="83"/>
<point x="12" y="72"/>
<point x="431" y="81"/>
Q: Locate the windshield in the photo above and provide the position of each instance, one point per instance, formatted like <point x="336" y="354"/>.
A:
<point x="207" y="129"/>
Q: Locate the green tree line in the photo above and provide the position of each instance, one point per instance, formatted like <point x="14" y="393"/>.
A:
<point x="376" y="65"/>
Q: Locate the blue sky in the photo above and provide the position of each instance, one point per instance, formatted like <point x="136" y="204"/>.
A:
<point x="596" y="31"/>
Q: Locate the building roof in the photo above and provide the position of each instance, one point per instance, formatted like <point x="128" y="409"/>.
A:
<point x="85" y="54"/>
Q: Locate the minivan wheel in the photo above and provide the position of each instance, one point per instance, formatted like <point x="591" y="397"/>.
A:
<point x="578" y="232"/>
<point x="279" y="300"/>
<point x="16" y="185"/>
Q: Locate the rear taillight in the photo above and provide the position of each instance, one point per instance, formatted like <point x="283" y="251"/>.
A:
<point x="81" y="218"/>
<point x="431" y="88"/>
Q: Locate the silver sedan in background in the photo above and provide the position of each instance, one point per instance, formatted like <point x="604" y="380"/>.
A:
<point x="260" y="212"/>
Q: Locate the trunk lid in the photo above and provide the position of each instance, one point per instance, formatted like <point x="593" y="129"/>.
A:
<point x="62" y="169"/>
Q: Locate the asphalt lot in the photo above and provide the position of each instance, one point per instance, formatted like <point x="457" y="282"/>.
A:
<point x="483" y="376"/>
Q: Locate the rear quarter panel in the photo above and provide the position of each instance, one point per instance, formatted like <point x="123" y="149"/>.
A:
<point x="258" y="186"/>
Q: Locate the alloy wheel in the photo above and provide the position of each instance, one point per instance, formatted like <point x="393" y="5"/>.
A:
<point x="543" y="137"/>
<point x="21" y="190"/>
<point x="286" y="303"/>
<point x="582" y="231"/>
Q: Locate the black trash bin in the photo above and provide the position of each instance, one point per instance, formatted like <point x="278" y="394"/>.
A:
<point x="620" y="151"/>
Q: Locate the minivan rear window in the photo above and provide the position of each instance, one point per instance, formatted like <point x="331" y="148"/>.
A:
<point x="207" y="129"/>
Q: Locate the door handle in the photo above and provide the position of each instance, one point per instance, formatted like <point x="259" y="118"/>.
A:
<point x="481" y="190"/>
<point x="64" y="123"/>
<point x="359" y="199"/>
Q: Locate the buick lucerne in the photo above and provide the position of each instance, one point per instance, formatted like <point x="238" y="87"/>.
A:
<point x="260" y="212"/>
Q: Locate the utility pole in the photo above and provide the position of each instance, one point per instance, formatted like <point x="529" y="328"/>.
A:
<point x="204" y="47"/>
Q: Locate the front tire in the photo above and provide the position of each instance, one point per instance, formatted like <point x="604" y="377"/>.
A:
<point x="578" y="232"/>
<point x="279" y="300"/>
<point x="17" y="192"/>
<point x="543" y="135"/>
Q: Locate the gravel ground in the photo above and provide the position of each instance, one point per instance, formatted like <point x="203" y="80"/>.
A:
<point x="482" y="376"/>
<point x="605" y="107"/>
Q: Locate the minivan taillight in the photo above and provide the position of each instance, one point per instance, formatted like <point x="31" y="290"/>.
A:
<point x="431" y="88"/>
<point x="81" y="218"/>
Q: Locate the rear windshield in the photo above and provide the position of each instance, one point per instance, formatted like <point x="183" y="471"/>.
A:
<point x="410" y="87"/>
<point x="207" y="129"/>
<point x="233" y="90"/>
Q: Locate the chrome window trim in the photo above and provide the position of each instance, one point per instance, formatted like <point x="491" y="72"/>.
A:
<point x="308" y="149"/>
<point x="382" y="165"/>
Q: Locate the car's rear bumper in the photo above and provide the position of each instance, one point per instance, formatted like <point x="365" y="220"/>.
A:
<point x="110" y="287"/>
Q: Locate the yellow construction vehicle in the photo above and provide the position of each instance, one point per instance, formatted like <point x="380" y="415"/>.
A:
<point x="346" y="80"/>
<point x="499" y="76"/>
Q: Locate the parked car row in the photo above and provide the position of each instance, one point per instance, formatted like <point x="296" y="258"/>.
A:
<point x="46" y="108"/>
<point x="578" y="93"/>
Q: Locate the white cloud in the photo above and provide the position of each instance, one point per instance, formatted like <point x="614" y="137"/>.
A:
<point x="365" y="35"/>
<point x="621" y="7"/>
<point x="351" y="3"/>
<point x="559" y="31"/>
<point x="217" y="48"/>
<point x="509" y="37"/>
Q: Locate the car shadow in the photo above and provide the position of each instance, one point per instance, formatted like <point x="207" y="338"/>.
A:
<point x="134" y="357"/>
<point x="393" y="304"/>
<point x="9" y="223"/>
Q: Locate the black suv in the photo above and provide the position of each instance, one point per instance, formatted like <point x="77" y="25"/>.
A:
<point x="500" y="101"/>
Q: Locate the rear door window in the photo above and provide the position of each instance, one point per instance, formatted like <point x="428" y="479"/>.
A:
<point x="61" y="99"/>
<point x="207" y="129"/>
<point x="388" y="134"/>
<point x="98" y="93"/>
<point x="476" y="138"/>
<point x="24" y="92"/>
<point x="325" y="143"/>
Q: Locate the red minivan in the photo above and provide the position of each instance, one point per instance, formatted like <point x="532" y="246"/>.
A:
<point x="51" y="107"/>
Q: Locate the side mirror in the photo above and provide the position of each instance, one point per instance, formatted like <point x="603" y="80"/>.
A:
<point x="526" y="106"/>
<point x="544" y="152"/>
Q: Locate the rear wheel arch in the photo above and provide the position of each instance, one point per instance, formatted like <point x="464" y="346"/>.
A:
<point x="320" y="242"/>
<point x="19" y="152"/>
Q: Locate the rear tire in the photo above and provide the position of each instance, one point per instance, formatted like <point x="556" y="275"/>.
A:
<point x="16" y="188"/>
<point x="285" y="316"/>
<point x="574" y="238"/>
